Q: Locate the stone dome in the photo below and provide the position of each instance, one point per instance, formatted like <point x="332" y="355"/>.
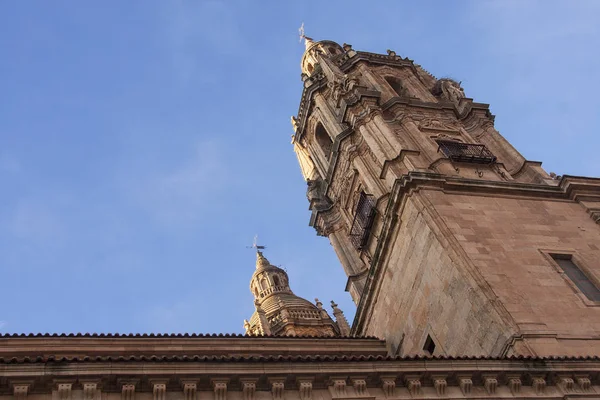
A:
<point x="279" y="311"/>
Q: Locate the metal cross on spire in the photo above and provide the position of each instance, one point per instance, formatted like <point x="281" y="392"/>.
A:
<point x="301" y="33"/>
<point x="255" y="245"/>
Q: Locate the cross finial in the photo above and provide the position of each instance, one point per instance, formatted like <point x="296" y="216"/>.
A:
<point x="302" y="34"/>
<point x="255" y="245"/>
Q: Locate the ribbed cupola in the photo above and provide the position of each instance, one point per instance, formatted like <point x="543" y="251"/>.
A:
<point x="280" y="312"/>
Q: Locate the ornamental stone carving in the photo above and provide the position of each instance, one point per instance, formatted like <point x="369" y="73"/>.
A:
<point x="539" y="385"/>
<point x="20" y="391"/>
<point x="413" y="384"/>
<point x="466" y="384"/>
<point x="360" y="386"/>
<point x="449" y="90"/>
<point x="189" y="390"/>
<point x="90" y="390"/>
<point x="277" y="388"/>
<point x="305" y="389"/>
<point x="64" y="391"/>
<point x="514" y="384"/>
<point x="388" y="384"/>
<point x="128" y="391"/>
<point x="220" y="389"/>
<point x="490" y="384"/>
<point x="159" y="391"/>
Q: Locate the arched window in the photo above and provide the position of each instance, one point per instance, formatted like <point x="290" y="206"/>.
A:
<point x="276" y="280"/>
<point x="332" y="50"/>
<point x="263" y="284"/>
<point x="396" y="85"/>
<point x="310" y="68"/>
<point x="323" y="140"/>
<point x="255" y="292"/>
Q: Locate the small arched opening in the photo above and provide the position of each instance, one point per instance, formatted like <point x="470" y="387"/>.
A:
<point x="323" y="140"/>
<point x="396" y="85"/>
<point x="276" y="280"/>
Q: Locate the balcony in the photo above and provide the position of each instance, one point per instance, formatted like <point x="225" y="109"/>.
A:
<point x="363" y="221"/>
<point x="466" y="152"/>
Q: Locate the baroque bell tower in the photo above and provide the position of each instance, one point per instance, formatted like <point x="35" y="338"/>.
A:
<point x="453" y="243"/>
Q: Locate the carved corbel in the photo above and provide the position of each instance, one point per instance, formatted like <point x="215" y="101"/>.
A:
<point x="440" y="384"/>
<point x="277" y="388"/>
<point x="159" y="390"/>
<point x="220" y="388"/>
<point x="90" y="391"/>
<point x="360" y="386"/>
<point x="388" y="384"/>
<point x="514" y="384"/>
<point x="20" y="390"/>
<point x="64" y="390"/>
<point x="248" y="389"/>
<point x="466" y="384"/>
<point x="128" y="391"/>
<point x="584" y="382"/>
<point x="490" y="382"/>
<point x="538" y="384"/>
<point x="413" y="384"/>
<point x="566" y="383"/>
<point x="339" y="387"/>
<point x="190" y="389"/>
<point x="305" y="388"/>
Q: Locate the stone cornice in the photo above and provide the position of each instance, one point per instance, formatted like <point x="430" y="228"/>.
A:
<point x="171" y="346"/>
<point x="570" y="188"/>
<point x="407" y="377"/>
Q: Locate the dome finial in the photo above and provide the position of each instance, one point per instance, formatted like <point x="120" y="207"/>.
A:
<point x="261" y="261"/>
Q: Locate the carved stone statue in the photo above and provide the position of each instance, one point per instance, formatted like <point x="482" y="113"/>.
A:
<point x="450" y="90"/>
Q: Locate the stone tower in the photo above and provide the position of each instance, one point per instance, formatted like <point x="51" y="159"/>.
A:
<point x="279" y="312"/>
<point x="453" y="242"/>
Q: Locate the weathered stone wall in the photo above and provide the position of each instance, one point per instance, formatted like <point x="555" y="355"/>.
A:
<point x="425" y="291"/>
<point x="506" y="238"/>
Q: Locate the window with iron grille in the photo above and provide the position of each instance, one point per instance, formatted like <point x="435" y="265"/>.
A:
<point x="363" y="221"/>
<point x="466" y="152"/>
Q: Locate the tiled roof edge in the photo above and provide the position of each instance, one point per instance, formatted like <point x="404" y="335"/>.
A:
<point x="310" y="358"/>
<point x="176" y="335"/>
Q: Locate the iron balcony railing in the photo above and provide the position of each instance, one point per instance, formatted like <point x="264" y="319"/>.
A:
<point x="466" y="152"/>
<point x="363" y="221"/>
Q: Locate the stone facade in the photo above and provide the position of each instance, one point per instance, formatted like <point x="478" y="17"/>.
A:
<point x="197" y="367"/>
<point x="445" y="231"/>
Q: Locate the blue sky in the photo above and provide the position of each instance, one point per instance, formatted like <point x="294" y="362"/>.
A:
<point x="144" y="143"/>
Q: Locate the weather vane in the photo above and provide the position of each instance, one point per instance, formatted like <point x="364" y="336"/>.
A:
<point x="301" y="33"/>
<point x="255" y="245"/>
